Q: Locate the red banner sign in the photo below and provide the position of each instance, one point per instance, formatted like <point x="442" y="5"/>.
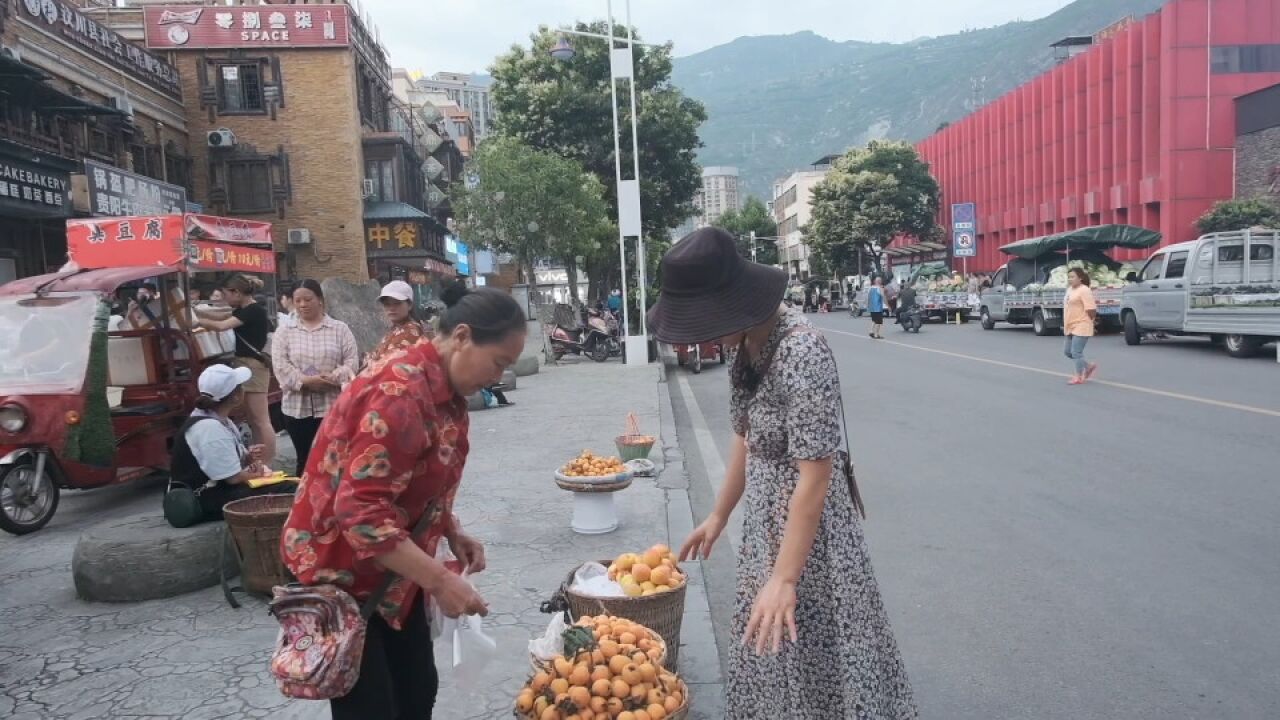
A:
<point x="212" y="257"/>
<point x="246" y="26"/>
<point x="121" y="242"/>
<point x="228" y="230"/>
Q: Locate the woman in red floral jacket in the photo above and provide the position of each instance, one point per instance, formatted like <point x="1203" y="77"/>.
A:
<point x="391" y="449"/>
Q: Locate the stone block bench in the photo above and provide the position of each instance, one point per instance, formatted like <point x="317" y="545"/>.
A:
<point x="142" y="558"/>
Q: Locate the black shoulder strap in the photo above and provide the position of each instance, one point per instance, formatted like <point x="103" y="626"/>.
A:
<point x="371" y="605"/>
<point x="844" y="422"/>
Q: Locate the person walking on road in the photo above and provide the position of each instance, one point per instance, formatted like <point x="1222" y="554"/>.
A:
<point x="811" y="638"/>
<point x="391" y="452"/>
<point x="877" y="303"/>
<point x="313" y="359"/>
<point x="1078" y="320"/>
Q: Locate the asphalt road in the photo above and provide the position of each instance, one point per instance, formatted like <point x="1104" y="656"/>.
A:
<point x="1047" y="551"/>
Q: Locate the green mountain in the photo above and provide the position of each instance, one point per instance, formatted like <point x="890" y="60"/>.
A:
<point x="777" y="103"/>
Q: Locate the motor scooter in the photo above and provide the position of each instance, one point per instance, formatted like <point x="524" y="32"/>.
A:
<point x="911" y="318"/>
<point x="596" y="340"/>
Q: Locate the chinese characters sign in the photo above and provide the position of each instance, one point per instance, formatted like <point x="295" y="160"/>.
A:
<point x="120" y="242"/>
<point x="240" y="26"/>
<point x="400" y="236"/>
<point x="60" y="17"/>
<point x="214" y="256"/>
<point x="964" y="230"/>
<point x="116" y="192"/>
<point x="32" y="187"/>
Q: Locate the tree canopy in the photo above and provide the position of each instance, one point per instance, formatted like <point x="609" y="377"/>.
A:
<point x="872" y="195"/>
<point x="532" y="204"/>
<point x="564" y="107"/>
<point x="753" y="217"/>
<point x="1232" y="215"/>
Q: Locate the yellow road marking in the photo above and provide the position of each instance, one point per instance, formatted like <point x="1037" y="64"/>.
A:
<point x="1121" y="386"/>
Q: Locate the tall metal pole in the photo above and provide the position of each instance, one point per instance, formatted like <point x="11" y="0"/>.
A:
<point x="617" y="167"/>
<point x="641" y="260"/>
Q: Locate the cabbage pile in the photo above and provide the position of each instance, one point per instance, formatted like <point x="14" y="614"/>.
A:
<point x="1102" y="276"/>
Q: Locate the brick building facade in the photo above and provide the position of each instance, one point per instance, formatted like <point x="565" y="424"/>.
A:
<point x="281" y="100"/>
<point x="73" y="90"/>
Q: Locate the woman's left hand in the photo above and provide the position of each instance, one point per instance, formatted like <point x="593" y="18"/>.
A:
<point x="469" y="551"/>
<point x="774" y="611"/>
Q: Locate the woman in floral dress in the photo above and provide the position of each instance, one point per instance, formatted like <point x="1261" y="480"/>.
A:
<point x="406" y="329"/>
<point x="811" y="637"/>
<point x="390" y="449"/>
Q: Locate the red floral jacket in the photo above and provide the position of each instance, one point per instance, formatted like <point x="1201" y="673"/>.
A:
<point x="395" y="440"/>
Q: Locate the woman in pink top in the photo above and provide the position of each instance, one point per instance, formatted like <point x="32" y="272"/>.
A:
<point x="1077" y="323"/>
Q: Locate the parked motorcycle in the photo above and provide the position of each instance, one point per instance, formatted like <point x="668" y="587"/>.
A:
<point x="598" y="340"/>
<point x="911" y="319"/>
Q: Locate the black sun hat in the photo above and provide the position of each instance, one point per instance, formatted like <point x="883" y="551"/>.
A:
<point x="709" y="290"/>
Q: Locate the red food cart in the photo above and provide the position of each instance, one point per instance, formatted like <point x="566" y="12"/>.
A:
<point x="692" y="356"/>
<point x="82" y="405"/>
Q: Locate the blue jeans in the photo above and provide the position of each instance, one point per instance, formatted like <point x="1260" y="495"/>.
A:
<point x="1075" y="351"/>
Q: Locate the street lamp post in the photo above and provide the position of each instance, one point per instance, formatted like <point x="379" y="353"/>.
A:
<point x="622" y="67"/>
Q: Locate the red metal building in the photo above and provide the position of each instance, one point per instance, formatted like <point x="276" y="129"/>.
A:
<point x="1138" y="129"/>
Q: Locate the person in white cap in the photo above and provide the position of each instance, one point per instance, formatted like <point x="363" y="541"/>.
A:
<point x="208" y="455"/>
<point x="406" y="329"/>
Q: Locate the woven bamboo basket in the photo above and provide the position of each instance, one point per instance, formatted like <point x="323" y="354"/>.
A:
<point x="661" y="613"/>
<point x="255" y="524"/>
<point x="633" y="447"/>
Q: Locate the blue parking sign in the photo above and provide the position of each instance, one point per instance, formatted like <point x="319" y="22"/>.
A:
<point x="964" y="230"/>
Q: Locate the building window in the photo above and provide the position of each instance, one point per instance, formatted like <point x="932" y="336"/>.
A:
<point x="249" y="186"/>
<point x="383" y="175"/>
<point x="1232" y="59"/>
<point x="240" y="88"/>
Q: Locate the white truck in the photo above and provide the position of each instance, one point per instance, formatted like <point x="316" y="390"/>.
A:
<point x="1018" y="294"/>
<point x="1225" y="286"/>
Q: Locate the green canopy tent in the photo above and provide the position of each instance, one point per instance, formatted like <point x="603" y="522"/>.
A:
<point x="1097" y="237"/>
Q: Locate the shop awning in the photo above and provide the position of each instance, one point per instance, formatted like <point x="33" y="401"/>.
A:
<point x="383" y="210"/>
<point x="914" y="249"/>
<point x="25" y="81"/>
<point x="1096" y="237"/>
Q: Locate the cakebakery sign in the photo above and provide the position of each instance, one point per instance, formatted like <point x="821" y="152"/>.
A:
<point x="246" y="26"/>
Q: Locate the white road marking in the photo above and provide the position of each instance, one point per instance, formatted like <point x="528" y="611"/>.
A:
<point x="712" y="460"/>
<point x="1121" y="386"/>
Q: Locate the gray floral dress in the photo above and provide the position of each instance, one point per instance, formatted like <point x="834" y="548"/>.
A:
<point x="846" y="664"/>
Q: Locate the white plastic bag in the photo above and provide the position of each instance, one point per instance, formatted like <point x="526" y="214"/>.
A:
<point x="551" y="644"/>
<point x="471" y="649"/>
<point x="592" y="580"/>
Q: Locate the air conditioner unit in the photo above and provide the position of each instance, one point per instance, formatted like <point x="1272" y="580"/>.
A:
<point x="367" y="188"/>
<point x="299" y="236"/>
<point x="221" y="138"/>
<point x="123" y="105"/>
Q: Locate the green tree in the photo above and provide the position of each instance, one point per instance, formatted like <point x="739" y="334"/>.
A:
<point x="1232" y="215"/>
<point x="564" y="107"/>
<point x="871" y="195"/>
<point x="753" y="217"/>
<point x="532" y="204"/>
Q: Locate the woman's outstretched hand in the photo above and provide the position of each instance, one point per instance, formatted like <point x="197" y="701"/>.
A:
<point x="698" y="546"/>
<point x="773" y="613"/>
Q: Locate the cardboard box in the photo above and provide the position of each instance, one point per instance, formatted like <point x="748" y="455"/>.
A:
<point x="129" y="363"/>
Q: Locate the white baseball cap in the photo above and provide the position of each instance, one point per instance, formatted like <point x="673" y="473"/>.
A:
<point x="219" y="381"/>
<point x="397" y="290"/>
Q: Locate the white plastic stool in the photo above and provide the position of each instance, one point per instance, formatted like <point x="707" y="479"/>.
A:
<point x="594" y="512"/>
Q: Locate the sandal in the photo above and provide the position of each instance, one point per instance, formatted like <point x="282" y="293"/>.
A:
<point x="1088" y="373"/>
<point x="1075" y="381"/>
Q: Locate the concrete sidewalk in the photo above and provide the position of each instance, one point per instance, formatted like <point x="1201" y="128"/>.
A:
<point x="194" y="657"/>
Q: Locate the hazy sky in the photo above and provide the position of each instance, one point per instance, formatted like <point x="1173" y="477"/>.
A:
<point x="465" y="35"/>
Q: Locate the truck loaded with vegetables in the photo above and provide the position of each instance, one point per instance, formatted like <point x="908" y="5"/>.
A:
<point x="1031" y="288"/>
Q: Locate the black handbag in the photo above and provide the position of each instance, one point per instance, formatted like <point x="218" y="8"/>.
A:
<point x="182" y="507"/>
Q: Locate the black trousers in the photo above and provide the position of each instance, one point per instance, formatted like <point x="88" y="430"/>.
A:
<point x="302" y="431"/>
<point x="398" y="678"/>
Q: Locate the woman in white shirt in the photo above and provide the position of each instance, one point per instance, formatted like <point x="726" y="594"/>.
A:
<point x="208" y="455"/>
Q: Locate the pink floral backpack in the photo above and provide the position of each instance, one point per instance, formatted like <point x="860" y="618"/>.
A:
<point x="321" y="640"/>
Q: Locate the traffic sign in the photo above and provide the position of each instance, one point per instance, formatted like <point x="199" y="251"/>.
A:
<point x="964" y="230"/>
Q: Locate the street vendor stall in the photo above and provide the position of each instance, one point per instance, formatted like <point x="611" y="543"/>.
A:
<point x="82" y="405"/>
